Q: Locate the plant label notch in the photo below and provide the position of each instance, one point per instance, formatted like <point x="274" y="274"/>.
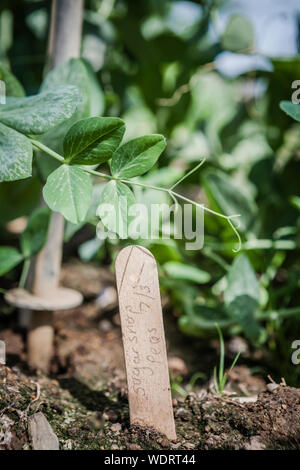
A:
<point x="149" y="392"/>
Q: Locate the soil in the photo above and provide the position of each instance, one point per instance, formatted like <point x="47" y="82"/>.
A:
<point x="84" y="398"/>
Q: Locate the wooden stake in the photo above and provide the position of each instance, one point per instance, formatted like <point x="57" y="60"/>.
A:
<point x="147" y="372"/>
<point x="64" y="44"/>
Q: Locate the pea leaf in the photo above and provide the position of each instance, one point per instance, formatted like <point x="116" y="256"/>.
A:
<point x="228" y="197"/>
<point x="9" y="258"/>
<point x="15" y="155"/>
<point x="35" y="234"/>
<point x="115" y="216"/>
<point x="181" y="271"/>
<point x="242" y="297"/>
<point x="18" y="198"/>
<point x="203" y="322"/>
<point x="75" y="72"/>
<point x="137" y="156"/>
<point x="291" y="109"/>
<point x="78" y="72"/>
<point x="68" y="190"/>
<point x="93" y="140"/>
<point x="238" y="34"/>
<point x="12" y="85"/>
<point x="37" y="114"/>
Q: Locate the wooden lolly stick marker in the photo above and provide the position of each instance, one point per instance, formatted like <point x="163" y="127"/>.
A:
<point x="149" y="393"/>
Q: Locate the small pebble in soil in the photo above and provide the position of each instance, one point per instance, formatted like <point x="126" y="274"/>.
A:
<point x="182" y="413"/>
<point x="110" y="415"/>
<point x="272" y="387"/>
<point x="116" y="427"/>
<point x="134" y="447"/>
<point x="105" y="326"/>
<point x="164" y="442"/>
<point x="189" y="445"/>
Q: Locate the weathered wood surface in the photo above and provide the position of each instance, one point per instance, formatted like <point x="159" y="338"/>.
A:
<point x="144" y="341"/>
<point x="42" y="435"/>
<point x="58" y="299"/>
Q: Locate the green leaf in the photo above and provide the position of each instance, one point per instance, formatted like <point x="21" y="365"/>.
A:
<point x="229" y="197"/>
<point x="137" y="156"/>
<point x="12" y="85"/>
<point x="9" y="258"/>
<point x="295" y="201"/>
<point x="69" y="191"/>
<point x="35" y="234"/>
<point x="238" y="35"/>
<point x="291" y="109"/>
<point x="78" y="72"/>
<point x="185" y="272"/>
<point x="93" y="140"/>
<point x="120" y="198"/>
<point x="242" y="296"/>
<point x="202" y="322"/>
<point x="37" y="114"/>
<point x="15" y="155"/>
<point x="88" y="250"/>
<point x="75" y="72"/>
<point x="18" y="198"/>
<point x="241" y="280"/>
<point x="96" y="99"/>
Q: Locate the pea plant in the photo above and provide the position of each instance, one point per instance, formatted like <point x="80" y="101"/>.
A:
<point x="86" y="144"/>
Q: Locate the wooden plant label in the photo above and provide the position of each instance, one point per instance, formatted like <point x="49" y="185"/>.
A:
<point x="147" y="372"/>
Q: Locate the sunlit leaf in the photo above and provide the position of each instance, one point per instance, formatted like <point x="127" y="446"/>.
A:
<point x="93" y="140"/>
<point x="291" y="109"/>
<point x="115" y="201"/>
<point x="137" y="156"/>
<point x="37" y="114"/>
<point x="69" y="191"/>
<point x="15" y="155"/>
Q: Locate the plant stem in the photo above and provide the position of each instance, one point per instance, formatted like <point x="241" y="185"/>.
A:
<point x="24" y="273"/>
<point x="47" y="150"/>
<point x="277" y="314"/>
<point x="64" y="44"/>
<point x="169" y="191"/>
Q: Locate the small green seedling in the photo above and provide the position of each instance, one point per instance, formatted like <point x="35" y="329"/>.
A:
<point x="220" y="377"/>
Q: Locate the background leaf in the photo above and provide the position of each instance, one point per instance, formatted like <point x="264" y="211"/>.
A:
<point x="229" y="197"/>
<point x="93" y="140"/>
<point x="69" y="191"/>
<point x="121" y="198"/>
<point x="238" y="35"/>
<point x="137" y="156"/>
<point x="9" y="258"/>
<point x="291" y="109"/>
<point x="37" y="114"/>
<point x="242" y="296"/>
<point x="15" y="155"/>
<point x="12" y="85"/>
<point x="35" y="234"/>
<point x="78" y="73"/>
<point x="176" y="270"/>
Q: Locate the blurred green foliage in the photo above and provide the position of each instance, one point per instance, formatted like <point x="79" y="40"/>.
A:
<point x="157" y="63"/>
